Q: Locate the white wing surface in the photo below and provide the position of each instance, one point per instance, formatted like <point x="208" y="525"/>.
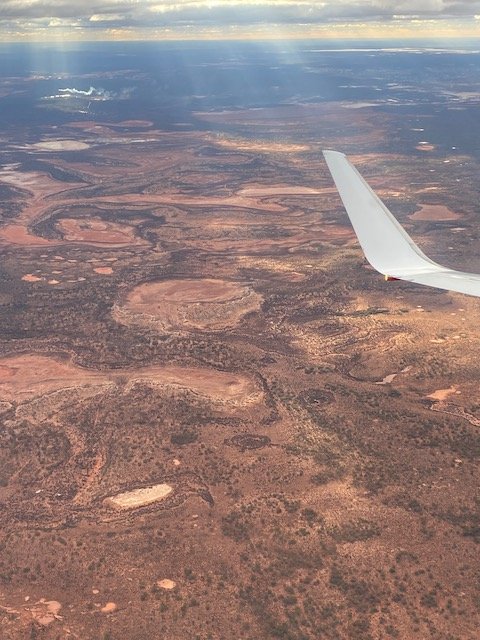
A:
<point x="386" y="245"/>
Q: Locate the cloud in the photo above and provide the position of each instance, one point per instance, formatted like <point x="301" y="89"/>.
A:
<point x="91" y="94"/>
<point x="218" y="10"/>
<point x="106" y="17"/>
<point x="117" y="15"/>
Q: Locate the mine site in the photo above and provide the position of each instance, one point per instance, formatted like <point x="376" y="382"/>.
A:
<point x="216" y="420"/>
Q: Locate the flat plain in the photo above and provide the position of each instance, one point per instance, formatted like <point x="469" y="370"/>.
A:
<point x="216" y="421"/>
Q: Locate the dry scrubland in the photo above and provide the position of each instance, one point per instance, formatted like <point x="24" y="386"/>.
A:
<point x="216" y="421"/>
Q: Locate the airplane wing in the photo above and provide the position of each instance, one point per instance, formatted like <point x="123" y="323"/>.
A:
<point x="386" y="245"/>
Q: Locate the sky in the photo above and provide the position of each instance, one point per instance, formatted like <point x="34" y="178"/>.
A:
<point x="71" y="20"/>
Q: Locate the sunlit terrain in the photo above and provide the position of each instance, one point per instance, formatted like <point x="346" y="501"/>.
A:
<point x="216" y="421"/>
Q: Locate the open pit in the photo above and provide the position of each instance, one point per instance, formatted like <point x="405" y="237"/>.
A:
<point x="192" y="304"/>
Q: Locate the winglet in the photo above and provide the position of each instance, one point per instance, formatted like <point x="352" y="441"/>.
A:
<point x="385" y="243"/>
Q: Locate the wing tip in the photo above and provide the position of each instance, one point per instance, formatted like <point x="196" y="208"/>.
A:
<point x="331" y="153"/>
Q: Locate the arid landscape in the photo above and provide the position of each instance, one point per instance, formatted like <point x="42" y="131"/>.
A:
<point x="216" y="420"/>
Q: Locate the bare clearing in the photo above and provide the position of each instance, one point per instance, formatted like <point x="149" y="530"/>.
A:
<point x="61" y="145"/>
<point x="251" y="145"/>
<point x="202" y="304"/>
<point x="434" y="212"/>
<point x="103" y="271"/>
<point x="30" y="375"/>
<point x="97" y="232"/>
<point x="219" y="386"/>
<point x="26" y="376"/>
<point x="425" y="146"/>
<point x="166" y="583"/>
<point x="30" y="277"/>
<point x="257" y="191"/>
<point x="442" y="394"/>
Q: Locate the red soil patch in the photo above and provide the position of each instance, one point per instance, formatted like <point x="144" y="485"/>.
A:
<point x="40" y="186"/>
<point x="104" y="271"/>
<point x="206" y="303"/>
<point x="188" y="291"/>
<point x="220" y="386"/>
<point x="434" y="212"/>
<point x="98" y="232"/>
<point x="31" y="375"/>
<point x="29" y="277"/>
<point x="27" y="376"/>
<point x="18" y="234"/>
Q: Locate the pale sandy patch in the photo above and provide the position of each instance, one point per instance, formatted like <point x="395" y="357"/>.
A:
<point x="258" y="145"/>
<point x="29" y="277"/>
<point x="388" y="379"/>
<point x="104" y="271"/>
<point x="425" y="146"/>
<point x="139" y="497"/>
<point x="391" y="377"/>
<point x="61" y="145"/>
<point x="277" y="190"/>
<point x="46" y="611"/>
<point x="135" y="123"/>
<point x="166" y="584"/>
<point x="442" y="394"/>
<point x="53" y="282"/>
<point x="30" y="180"/>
